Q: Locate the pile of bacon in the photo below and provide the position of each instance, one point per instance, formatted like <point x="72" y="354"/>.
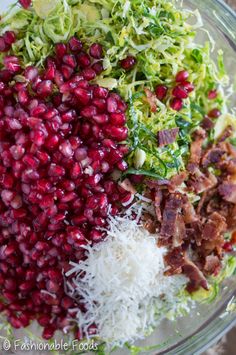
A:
<point x="194" y="232"/>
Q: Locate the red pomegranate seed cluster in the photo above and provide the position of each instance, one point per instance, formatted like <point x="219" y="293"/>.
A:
<point x="179" y="92"/>
<point x="60" y="138"/>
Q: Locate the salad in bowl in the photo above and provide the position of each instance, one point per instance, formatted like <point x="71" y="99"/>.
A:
<point x="117" y="169"/>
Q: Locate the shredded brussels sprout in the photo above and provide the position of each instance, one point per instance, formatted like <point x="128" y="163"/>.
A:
<point x="159" y="35"/>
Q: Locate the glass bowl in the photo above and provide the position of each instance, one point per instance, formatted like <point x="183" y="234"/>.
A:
<point x="207" y="322"/>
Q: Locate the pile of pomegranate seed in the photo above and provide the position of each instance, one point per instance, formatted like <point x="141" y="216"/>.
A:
<point x="60" y="138"/>
<point x="179" y="92"/>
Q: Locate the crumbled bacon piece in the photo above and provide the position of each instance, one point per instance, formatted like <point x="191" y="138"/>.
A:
<point x="171" y="222"/>
<point x="214" y="226"/>
<point x="180" y="231"/>
<point x="195" y="274"/>
<point x="149" y="223"/>
<point x="226" y="134"/>
<point x="167" y="136"/>
<point x="228" y="192"/>
<point x="196" y="146"/>
<point x="198" y="227"/>
<point x="189" y="213"/>
<point x="158" y="198"/>
<point x="212" y="156"/>
<point x="177" y="181"/>
<point x="201" y="182"/>
<point x="175" y="260"/>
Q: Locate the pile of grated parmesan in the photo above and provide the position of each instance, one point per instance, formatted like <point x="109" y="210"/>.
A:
<point x="122" y="283"/>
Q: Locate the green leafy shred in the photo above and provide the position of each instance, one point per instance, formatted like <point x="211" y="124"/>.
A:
<point x="158" y="33"/>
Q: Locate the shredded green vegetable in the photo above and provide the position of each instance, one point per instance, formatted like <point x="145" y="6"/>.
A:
<point x="160" y="37"/>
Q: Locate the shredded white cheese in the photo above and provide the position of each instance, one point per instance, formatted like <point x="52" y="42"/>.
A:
<point x="122" y="282"/>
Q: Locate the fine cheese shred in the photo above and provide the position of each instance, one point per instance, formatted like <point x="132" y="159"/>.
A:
<point x="122" y="282"/>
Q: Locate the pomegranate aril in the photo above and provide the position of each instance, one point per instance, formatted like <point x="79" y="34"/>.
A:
<point x="100" y="104"/>
<point x="9" y="37"/>
<point x="182" y="76"/>
<point x="44" y="320"/>
<point x="12" y="64"/>
<point x="69" y="59"/>
<point x="56" y="170"/>
<point x="47" y="201"/>
<point x="68" y="116"/>
<point x="60" y="49"/>
<point x="15" y="322"/>
<point x="26" y="286"/>
<point x="76" y="171"/>
<point x="67" y="71"/>
<point x="38" y="110"/>
<point x="50" y="71"/>
<point x="82" y="95"/>
<point x="52" y="142"/>
<point x="3" y="45"/>
<point x="48" y="332"/>
<point x="17" y="151"/>
<point x="122" y="165"/>
<point x="98" y="68"/>
<point x="96" y="50"/>
<point x="214" y="113"/>
<point x="128" y="63"/>
<point x="31" y="73"/>
<point x="161" y="92"/>
<point x="101" y="119"/>
<point x="5" y="75"/>
<point x="112" y="105"/>
<point x="180" y="92"/>
<point x="7" y="181"/>
<point x="88" y="74"/>
<point x="45" y="88"/>
<point x="228" y="247"/>
<point x="7" y="196"/>
<point x="83" y="60"/>
<point x="212" y="94"/>
<point x="75" y="44"/>
<point x="118" y="133"/>
<point x="23" y="97"/>
<point x="189" y="87"/>
<point x="43" y="157"/>
<point x="37" y="137"/>
<point x="176" y="104"/>
<point x="66" y="149"/>
<point x="117" y="119"/>
<point x="100" y="92"/>
<point x="25" y="3"/>
<point x="16" y="202"/>
<point x="89" y="111"/>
